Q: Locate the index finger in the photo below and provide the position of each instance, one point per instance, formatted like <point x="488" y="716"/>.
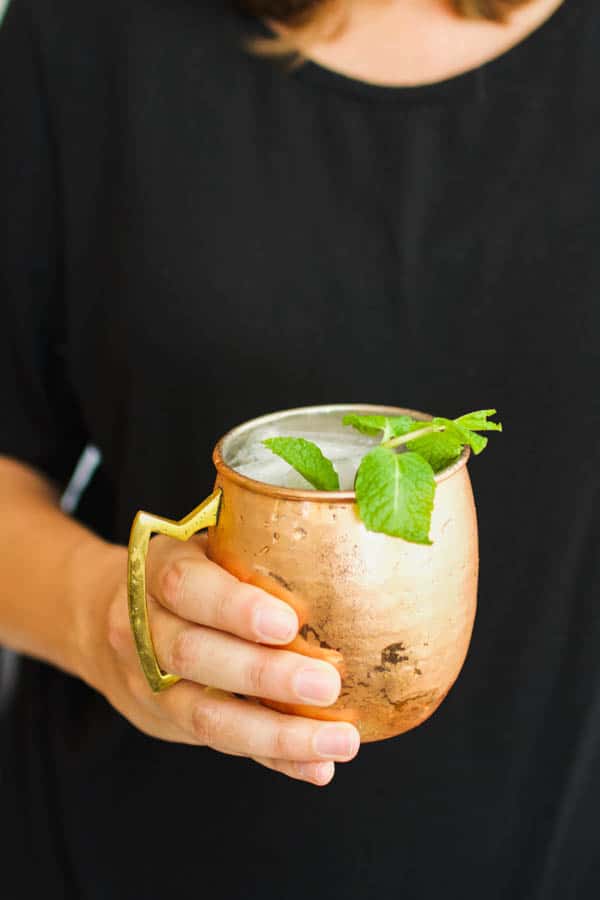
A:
<point x="188" y="584"/>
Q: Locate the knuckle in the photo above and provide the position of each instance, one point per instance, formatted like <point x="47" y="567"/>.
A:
<point x="257" y="675"/>
<point x="241" y="602"/>
<point x="184" y="651"/>
<point x="284" y="743"/>
<point x="237" y="606"/>
<point x="222" y="611"/>
<point x="173" y="584"/>
<point x="245" y="596"/>
<point x="207" y="723"/>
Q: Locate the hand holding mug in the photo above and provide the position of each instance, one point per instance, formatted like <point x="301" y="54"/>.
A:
<point x="222" y="638"/>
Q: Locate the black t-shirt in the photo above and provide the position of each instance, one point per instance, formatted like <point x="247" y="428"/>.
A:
<point x="192" y="236"/>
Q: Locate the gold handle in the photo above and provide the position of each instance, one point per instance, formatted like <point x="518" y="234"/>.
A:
<point x="145" y="524"/>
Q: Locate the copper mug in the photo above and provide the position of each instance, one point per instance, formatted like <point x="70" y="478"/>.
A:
<point x="394" y="617"/>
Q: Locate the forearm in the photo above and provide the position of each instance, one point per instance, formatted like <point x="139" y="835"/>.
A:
<point x="54" y="573"/>
<point x="63" y="599"/>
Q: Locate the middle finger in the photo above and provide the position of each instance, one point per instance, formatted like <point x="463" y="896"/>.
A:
<point x="223" y="661"/>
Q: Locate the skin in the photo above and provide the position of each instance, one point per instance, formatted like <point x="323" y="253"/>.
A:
<point x="412" y="42"/>
<point x="64" y="599"/>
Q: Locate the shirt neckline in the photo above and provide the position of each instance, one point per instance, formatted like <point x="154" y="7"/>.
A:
<point x="468" y="83"/>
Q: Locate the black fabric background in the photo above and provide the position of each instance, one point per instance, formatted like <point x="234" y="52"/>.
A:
<point x="191" y="237"/>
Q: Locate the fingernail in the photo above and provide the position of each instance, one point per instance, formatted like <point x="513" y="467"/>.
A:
<point x="317" y="685"/>
<point x="337" y="740"/>
<point x="273" y="624"/>
<point x="321" y="773"/>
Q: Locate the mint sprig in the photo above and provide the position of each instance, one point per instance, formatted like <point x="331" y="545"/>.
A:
<point x="307" y="459"/>
<point x="441" y="440"/>
<point x="394" y="490"/>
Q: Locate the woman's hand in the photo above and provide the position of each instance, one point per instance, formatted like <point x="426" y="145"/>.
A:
<point x="210" y="628"/>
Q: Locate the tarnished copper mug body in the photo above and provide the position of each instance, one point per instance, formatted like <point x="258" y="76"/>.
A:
<point x="395" y="617"/>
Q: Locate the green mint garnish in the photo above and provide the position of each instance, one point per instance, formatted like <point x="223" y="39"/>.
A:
<point x="441" y="441"/>
<point x="440" y="449"/>
<point x="478" y="421"/>
<point x="394" y="491"/>
<point x="391" y="426"/>
<point x="306" y="458"/>
<point x="394" y="494"/>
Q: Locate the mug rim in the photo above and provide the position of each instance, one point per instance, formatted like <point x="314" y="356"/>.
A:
<point x="309" y="494"/>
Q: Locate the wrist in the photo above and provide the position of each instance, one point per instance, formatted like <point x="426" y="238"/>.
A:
<point x="96" y="572"/>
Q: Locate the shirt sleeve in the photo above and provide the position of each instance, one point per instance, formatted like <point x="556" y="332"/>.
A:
<point x="40" y="420"/>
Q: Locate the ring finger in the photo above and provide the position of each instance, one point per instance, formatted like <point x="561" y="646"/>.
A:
<point x="236" y="726"/>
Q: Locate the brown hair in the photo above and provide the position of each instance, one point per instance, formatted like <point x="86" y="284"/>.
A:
<point x="312" y="19"/>
<point x="297" y="13"/>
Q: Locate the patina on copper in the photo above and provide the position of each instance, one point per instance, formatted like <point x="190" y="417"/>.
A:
<point x="395" y="618"/>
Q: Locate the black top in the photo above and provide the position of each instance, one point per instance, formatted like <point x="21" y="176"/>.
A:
<point x="193" y="236"/>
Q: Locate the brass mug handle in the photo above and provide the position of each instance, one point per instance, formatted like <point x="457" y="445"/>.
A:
<point x="145" y="524"/>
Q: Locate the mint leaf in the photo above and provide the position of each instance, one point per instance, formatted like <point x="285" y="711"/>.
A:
<point x="394" y="493"/>
<point x="306" y="458"/>
<point x="370" y="425"/>
<point x="439" y="448"/>
<point x="461" y="434"/>
<point x="392" y="426"/>
<point x="398" y="425"/>
<point x="478" y="421"/>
